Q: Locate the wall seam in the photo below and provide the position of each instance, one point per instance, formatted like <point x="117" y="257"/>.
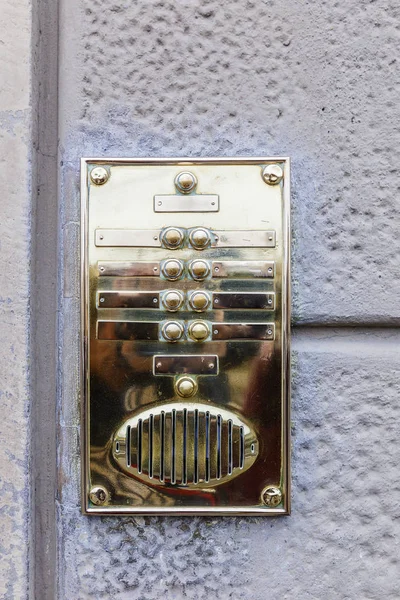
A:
<point x="44" y="298"/>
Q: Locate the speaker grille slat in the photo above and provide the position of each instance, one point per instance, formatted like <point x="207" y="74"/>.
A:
<point x="185" y="445"/>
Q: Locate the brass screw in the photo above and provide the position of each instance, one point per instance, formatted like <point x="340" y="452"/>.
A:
<point x="185" y="182"/>
<point x="98" y="495"/>
<point x="272" y="174"/>
<point x="99" y="175"/>
<point x="272" y="496"/>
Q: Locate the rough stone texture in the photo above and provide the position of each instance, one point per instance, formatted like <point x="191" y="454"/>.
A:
<point x="317" y="81"/>
<point x="15" y="234"/>
<point x="343" y="537"/>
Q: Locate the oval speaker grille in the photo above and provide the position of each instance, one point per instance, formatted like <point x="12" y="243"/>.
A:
<point x="185" y="444"/>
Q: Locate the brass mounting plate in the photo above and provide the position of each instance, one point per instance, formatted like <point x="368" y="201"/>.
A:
<point x="185" y="395"/>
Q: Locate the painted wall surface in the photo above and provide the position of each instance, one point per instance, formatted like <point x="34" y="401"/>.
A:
<point x="16" y="167"/>
<point x="314" y="80"/>
<point x="317" y="81"/>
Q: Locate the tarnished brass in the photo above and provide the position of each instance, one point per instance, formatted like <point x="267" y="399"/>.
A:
<point x="172" y="237"/>
<point x="172" y="269"/>
<point x="199" y="269"/>
<point x="173" y="300"/>
<point x="199" y="301"/>
<point x="185" y="336"/>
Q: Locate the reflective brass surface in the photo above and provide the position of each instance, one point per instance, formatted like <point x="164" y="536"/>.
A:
<point x="241" y="269"/>
<point x="193" y="364"/>
<point x="139" y="268"/>
<point x="186" y="387"/>
<point x="185" y="400"/>
<point x="199" y="269"/>
<point x="244" y="301"/>
<point x="188" y="445"/>
<point x="272" y="174"/>
<point x="172" y="331"/>
<point x="172" y="269"/>
<point x="199" y="331"/>
<point x="200" y="238"/>
<point x="192" y="203"/>
<point x="199" y="301"/>
<point x="173" y="300"/>
<point x="185" y="182"/>
<point x="172" y="237"/>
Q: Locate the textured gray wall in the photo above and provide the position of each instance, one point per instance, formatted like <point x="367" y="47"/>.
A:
<point x="16" y="172"/>
<point x="317" y="81"/>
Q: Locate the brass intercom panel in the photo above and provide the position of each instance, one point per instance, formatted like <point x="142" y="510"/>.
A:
<point x="185" y="336"/>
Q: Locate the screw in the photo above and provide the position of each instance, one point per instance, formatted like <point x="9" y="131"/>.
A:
<point x="155" y="300"/>
<point x="269" y="331"/>
<point x="102" y="269"/>
<point x="99" y="175"/>
<point x="272" y="496"/>
<point x="98" y="495"/>
<point x="272" y="174"/>
<point x="211" y="366"/>
<point x="215" y="331"/>
<point x="101" y="299"/>
<point x="216" y="301"/>
<point x="270" y="270"/>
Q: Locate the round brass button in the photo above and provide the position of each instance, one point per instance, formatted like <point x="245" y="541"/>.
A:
<point x="172" y="269"/>
<point x="186" y="387"/>
<point x="172" y="331"/>
<point x="199" y="269"/>
<point x="173" y="300"/>
<point x="172" y="238"/>
<point x="199" y="331"/>
<point x="199" y="238"/>
<point x="199" y="301"/>
<point x="185" y="182"/>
